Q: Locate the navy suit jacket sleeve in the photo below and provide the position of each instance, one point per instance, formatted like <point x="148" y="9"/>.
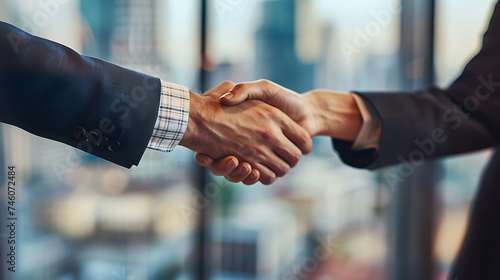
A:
<point x="433" y="123"/>
<point x="53" y="92"/>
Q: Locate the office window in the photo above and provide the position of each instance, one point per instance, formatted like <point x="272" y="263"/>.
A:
<point x="81" y="217"/>
<point x="84" y="218"/>
<point x="460" y="26"/>
<point x="323" y="219"/>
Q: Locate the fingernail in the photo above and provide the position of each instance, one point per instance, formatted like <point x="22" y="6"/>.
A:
<point x="227" y="96"/>
<point x="232" y="164"/>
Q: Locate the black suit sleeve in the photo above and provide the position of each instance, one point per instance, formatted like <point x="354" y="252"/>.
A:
<point x="53" y="92"/>
<point x="433" y="123"/>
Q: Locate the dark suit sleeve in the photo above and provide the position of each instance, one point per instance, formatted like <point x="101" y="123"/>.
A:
<point x="53" y="92"/>
<point x="434" y="123"/>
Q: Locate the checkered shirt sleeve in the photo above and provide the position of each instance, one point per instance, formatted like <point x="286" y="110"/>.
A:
<point x="173" y="116"/>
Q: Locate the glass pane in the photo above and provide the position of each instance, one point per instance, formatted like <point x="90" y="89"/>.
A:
<point x="81" y="217"/>
<point x="323" y="220"/>
<point x="459" y="29"/>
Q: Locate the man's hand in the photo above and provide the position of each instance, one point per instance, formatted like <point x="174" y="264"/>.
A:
<point x="320" y="112"/>
<point x="253" y="132"/>
<point x="298" y="107"/>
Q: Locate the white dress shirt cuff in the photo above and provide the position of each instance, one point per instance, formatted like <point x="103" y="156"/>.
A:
<point x="369" y="134"/>
<point x="173" y="116"/>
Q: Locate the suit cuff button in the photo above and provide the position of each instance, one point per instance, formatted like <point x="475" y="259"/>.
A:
<point x="79" y="133"/>
<point x="93" y="138"/>
<point x="113" y="145"/>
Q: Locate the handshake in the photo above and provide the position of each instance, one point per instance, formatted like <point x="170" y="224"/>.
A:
<point x="257" y="131"/>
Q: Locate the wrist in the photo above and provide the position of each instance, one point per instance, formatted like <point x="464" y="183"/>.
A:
<point x="315" y="112"/>
<point x="335" y="114"/>
<point x="191" y="136"/>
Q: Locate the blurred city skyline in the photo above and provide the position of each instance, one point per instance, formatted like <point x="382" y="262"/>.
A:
<point x="87" y="219"/>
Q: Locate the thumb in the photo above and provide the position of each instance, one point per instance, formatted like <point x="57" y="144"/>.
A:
<point x="264" y="90"/>
<point x="237" y="94"/>
<point x="220" y="90"/>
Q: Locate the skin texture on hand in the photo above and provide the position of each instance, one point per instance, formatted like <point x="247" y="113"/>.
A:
<point x="229" y="168"/>
<point x="320" y="112"/>
<point x="290" y="102"/>
<point x="253" y="132"/>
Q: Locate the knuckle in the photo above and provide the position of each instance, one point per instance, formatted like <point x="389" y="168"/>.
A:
<point x="272" y="90"/>
<point x="239" y="87"/>
<point x="263" y="82"/>
<point x="283" y="170"/>
<point x="249" y="155"/>
<point x="269" y="111"/>
<point x="236" y="174"/>
<point x="294" y="160"/>
<point x="267" y="135"/>
<point x="199" y="159"/>
<point x="268" y="180"/>
<point x="308" y="149"/>
<point x="280" y="118"/>
<point x="304" y="142"/>
<point x="228" y="83"/>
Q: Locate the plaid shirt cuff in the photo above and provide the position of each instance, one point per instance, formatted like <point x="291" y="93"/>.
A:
<point x="173" y="116"/>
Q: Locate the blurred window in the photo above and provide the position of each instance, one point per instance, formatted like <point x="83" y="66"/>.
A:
<point x="323" y="219"/>
<point x="85" y="218"/>
<point x="460" y="26"/>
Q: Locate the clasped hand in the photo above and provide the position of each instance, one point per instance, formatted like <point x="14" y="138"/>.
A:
<point x="263" y="137"/>
<point x="260" y="140"/>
